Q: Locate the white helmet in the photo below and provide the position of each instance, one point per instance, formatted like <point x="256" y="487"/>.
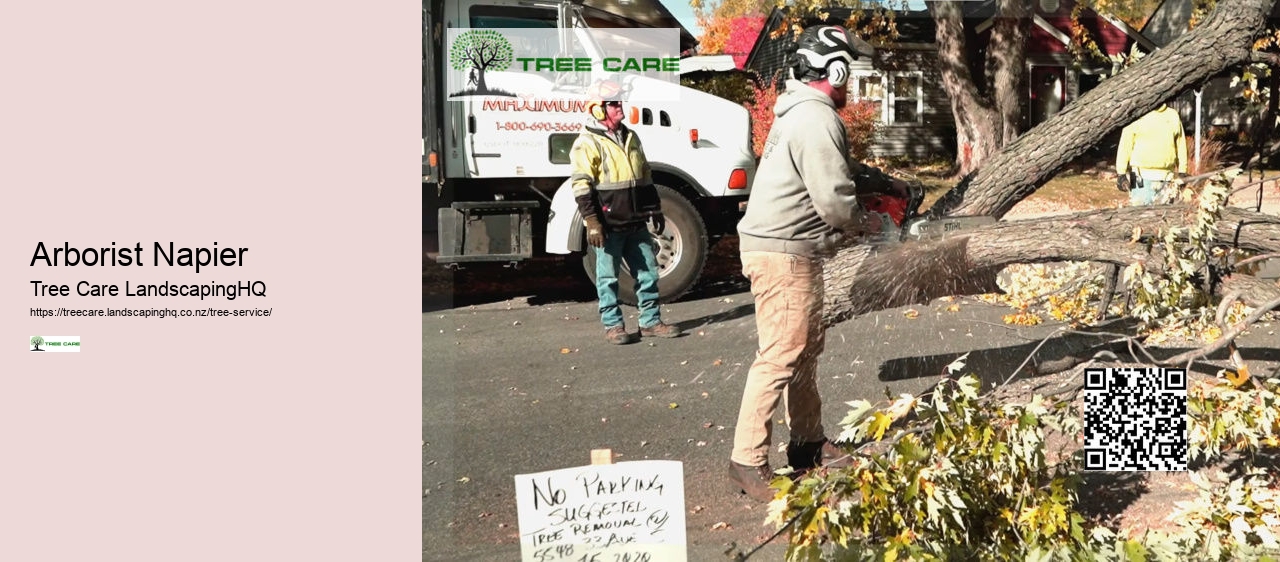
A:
<point x="825" y="51"/>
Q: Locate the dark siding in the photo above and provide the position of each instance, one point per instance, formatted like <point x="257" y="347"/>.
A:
<point x="935" y="135"/>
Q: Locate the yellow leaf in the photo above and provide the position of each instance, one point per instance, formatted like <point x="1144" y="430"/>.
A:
<point x="911" y="313"/>
<point x="953" y="308"/>
<point x="1137" y="235"/>
<point x="879" y="423"/>
<point x="673" y="405"/>
<point x="1028" y="515"/>
<point x="565" y="350"/>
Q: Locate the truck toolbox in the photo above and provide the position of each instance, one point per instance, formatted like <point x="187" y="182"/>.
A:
<point x="475" y="231"/>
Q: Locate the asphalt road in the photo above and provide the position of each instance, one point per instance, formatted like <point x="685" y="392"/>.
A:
<point x="511" y="388"/>
<point x="517" y="379"/>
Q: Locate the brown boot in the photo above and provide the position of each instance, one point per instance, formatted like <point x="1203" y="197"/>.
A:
<point x="803" y="456"/>
<point x="660" y="330"/>
<point x="617" y="335"/>
<point x="752" y="480"/>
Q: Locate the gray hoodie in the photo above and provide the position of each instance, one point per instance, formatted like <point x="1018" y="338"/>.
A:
<point x="802" y="199"/>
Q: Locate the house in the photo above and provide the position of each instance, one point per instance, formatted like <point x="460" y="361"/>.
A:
<point x="904" y="80"/>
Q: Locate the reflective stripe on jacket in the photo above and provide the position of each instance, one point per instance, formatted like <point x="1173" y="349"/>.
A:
<point x="612" y="181"/>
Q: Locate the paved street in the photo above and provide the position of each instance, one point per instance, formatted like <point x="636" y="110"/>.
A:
<point x="512" y="388"/>
<point x="517" y="379"/>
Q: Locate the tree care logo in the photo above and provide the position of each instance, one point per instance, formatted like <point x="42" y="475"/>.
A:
<point x="551" y="63"/>
<point x="476" y="52"/>
<point x="57" y="344"/>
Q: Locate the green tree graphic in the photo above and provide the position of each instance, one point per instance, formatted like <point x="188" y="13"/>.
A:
<point x="36" y="341"/>
<point x="476" y="52"/>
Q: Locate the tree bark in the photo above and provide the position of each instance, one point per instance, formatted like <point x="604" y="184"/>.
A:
<point x="1006" y="60"/>
<point x="977" y="130"/>
<point x="986" y="118"/>
<point x="866" y="278"/>
<point x="1224" y="40"/>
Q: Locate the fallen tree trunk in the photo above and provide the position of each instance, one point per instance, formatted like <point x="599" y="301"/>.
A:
<point x="863" y="279"/>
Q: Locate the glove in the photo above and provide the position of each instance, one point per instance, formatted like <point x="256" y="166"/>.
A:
<point x="595" y="232"/>
<point x="1122" y="182"/>
<point x="658" y="223"/>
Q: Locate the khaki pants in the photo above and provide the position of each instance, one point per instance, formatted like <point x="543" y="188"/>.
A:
<point x="788" y="295"/>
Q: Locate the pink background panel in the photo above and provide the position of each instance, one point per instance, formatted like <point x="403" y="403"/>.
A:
<point x="284" y="126"/>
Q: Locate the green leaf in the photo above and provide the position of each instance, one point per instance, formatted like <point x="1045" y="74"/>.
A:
<point x="1134" y="551"/>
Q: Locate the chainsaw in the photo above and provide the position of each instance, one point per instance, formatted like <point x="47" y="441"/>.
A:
<point x="901" y="221"/>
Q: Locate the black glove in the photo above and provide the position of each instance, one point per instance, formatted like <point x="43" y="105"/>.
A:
<point x="1122" y="182"/>
<point x="658" y="223"/>
<point x="595" y="232"/>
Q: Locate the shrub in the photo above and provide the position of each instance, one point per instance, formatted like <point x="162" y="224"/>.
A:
<point x="1210" y="155"/>
<point x="860" y="122"/>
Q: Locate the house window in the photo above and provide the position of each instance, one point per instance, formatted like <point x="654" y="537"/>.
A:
<point x="900" y="103"/>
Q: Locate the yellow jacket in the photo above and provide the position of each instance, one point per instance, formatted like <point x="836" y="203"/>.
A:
<point x="612" y="180"/>
<point x="1155" y="142"/>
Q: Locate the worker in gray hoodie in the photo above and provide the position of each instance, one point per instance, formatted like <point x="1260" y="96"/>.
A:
<point x="802" y="205"/>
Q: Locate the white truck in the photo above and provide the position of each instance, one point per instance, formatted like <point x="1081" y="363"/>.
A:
<point x="495" y="169"/>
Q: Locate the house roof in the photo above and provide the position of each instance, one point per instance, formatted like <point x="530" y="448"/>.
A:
<point x="1052" y="21"/>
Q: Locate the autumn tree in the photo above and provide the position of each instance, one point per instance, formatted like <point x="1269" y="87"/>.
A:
<point x="717" y="20"/>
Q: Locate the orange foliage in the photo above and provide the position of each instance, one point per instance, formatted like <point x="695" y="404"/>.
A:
<point x="860" y="119"/>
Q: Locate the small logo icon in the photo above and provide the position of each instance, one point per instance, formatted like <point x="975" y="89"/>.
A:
<point x="55" y="344"/>
<point x="476" y="52"/>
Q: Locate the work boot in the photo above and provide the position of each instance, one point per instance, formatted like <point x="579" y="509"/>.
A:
<point x="804" y="456"/>
<point x="617" y="335"/>
<point x="660" y="330"/>
<point x="752" y="480"/>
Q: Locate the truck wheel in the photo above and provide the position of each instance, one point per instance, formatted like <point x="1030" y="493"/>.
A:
<point x="682" y="252"/>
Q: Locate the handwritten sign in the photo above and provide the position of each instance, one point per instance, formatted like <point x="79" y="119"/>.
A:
<point x="624" y="512"/>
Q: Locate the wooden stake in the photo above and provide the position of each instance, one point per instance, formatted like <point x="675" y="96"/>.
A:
<point x="602" y="456"/>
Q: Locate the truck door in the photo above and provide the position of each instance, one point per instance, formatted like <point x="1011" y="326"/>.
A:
<point x="524" y="123"/>
<point x="431" y="137"/>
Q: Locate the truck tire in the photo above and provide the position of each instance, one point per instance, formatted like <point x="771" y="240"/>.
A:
<point x="682" y="252"/>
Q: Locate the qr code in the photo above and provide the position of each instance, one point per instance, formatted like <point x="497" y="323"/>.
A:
<point x="1135" y="419"/>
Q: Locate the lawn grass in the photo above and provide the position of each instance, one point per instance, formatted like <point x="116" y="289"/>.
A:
<point x="1080" y="186"/>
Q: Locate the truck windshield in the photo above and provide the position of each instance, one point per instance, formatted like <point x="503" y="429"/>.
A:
<point x="510" y="17"/>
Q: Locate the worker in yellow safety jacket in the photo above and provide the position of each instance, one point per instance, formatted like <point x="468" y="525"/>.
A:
<point x="1152" y="153"/>
<point x="614" y="189"/>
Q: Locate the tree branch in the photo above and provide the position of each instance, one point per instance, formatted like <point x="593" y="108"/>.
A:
<point x="1228" y="338"/>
